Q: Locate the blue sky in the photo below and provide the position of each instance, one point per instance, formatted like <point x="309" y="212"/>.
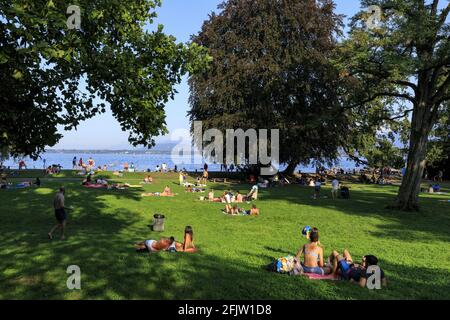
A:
<point x="181" y="18"/>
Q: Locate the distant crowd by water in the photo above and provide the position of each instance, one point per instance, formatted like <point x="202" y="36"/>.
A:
<point x="139" y="162"/>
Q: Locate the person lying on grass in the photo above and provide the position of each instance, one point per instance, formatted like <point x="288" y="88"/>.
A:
<point x="344" y="266"/>
<point x="153" y="245"/>
<point x="101" y="181"/>
<point x="212" y="198"/>
<point x="166" y="193"/>
<point x="235" y="210"/>
<point x="194" y="189"/>
<point x="313" y="256"/>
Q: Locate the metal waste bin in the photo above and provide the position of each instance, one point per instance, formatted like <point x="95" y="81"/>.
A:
<point x="158" y="222"/>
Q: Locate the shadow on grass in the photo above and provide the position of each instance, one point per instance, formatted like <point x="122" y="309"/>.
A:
<point x="434" y="217"/>
<point x="112" y="270"/>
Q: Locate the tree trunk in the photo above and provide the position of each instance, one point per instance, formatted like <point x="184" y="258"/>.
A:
<point x="290" y="168"/>
<point x="408" y="195"/>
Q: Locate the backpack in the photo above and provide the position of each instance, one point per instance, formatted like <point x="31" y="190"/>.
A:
<point x="286" y="265"/>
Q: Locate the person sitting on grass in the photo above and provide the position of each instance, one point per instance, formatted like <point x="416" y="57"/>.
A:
<point x="3" y="183"/>
<point x="148" y="179"/>
<point x="344" y="266"/>
<point x="253" y="194"/>
<point x="153" y="245"/>
<point x="37" y="183"/>
<point x="254" y="211"/>
<point x="239" y="198"/>
<point x="313" y="256"/>
<point x="188" y="242"/>
<point x="227" y="198"/>
<point x="211" y="195"/>
<point x="87" y="181"/>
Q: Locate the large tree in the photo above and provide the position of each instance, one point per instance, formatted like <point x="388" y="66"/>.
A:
<point x="53" y="75"/>
<point x="403" y="65"/>
<point x="272" y="69"/>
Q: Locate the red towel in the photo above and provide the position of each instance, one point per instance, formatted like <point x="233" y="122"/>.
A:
<point x="95" y="186"/>
<point x="313" y="276"/>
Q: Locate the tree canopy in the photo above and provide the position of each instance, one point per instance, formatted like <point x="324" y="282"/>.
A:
<point x="272" y="68"/>
<point x="401" y="69"/>
<point x="55" y="76"/>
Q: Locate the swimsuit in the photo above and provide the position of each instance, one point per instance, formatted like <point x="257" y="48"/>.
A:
<point x="149" y="244"/>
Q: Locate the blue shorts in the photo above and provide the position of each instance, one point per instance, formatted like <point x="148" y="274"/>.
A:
<point x="315" y="270"/>
<point x="345" y="269"/>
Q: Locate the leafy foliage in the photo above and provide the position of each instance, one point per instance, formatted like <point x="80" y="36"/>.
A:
<point x="401" y="69"/>
<point x="272" y="69"/>
<point x="52" y="76"/>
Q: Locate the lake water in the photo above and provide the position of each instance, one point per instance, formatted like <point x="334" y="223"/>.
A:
<point x="141" y="161"/>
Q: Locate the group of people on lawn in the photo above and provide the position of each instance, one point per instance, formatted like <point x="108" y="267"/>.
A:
<point x="339" y="264"/>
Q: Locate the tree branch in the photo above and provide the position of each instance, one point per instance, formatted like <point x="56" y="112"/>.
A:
<point x="356" y="159"/>
<point x="441" y="91"/>
<point x="444" y="16"/>
<point x="384" y="94"/>
<point x="434" y="7"/>
<point x="406" y="84"/>
<point x="404" y="114"/>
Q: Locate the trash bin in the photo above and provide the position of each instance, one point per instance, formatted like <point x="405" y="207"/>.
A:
<point x="158" y="222"/>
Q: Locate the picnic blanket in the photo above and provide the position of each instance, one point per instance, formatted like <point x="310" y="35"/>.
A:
<point x="313" y="276"/>
<point x="95" y="186"/>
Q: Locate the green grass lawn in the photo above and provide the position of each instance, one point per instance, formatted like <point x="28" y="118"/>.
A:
<point x="413" y="248"/>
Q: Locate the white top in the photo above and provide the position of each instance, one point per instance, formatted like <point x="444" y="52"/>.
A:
<point x="335" y="184"/>
<point x="318" y="184"/>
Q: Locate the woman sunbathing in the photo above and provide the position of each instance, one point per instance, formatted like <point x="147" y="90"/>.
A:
<point x="188" y="243"/>
<point x="313" y="256"/>
<point x="167" y="192"/>
<point x="153" y="245"/>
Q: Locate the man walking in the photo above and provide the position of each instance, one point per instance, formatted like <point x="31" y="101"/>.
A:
<point x="60" y="214"/>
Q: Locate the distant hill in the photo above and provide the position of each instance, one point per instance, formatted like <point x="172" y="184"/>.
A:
<point x="159" y="148"/>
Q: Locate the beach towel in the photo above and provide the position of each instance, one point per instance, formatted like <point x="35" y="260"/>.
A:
<point x="95" y="186"/>
<point x="313" y="276"/>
